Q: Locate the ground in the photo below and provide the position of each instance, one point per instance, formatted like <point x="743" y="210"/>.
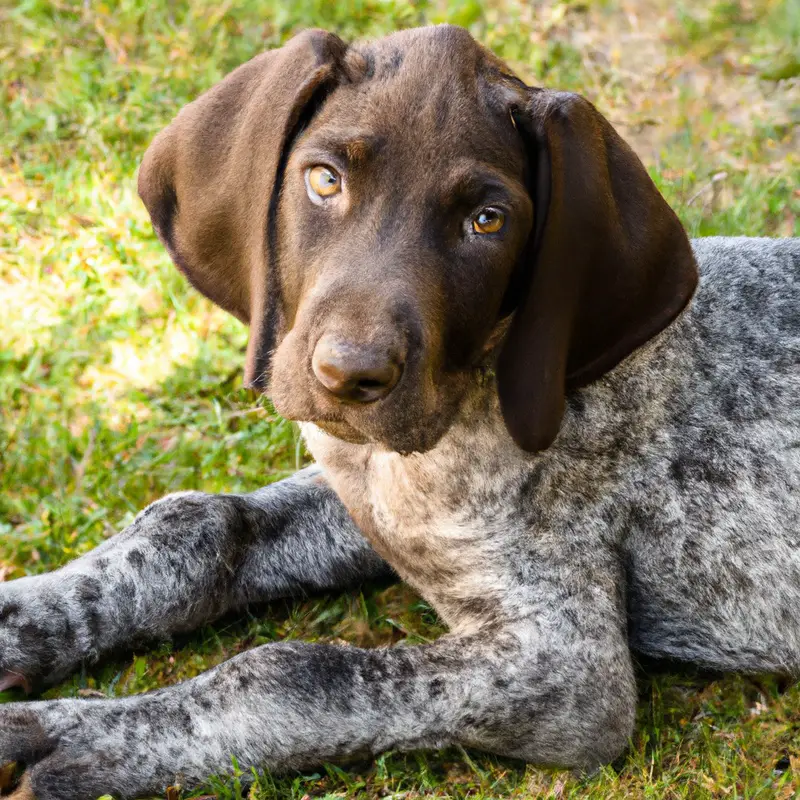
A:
<point x="118" y="383"/>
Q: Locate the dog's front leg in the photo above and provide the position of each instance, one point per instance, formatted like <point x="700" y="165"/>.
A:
<point x="185" y="560"/>
<point x="292" y="704"/>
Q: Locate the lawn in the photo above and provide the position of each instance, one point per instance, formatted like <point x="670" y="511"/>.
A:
<point x="118" y="383"/>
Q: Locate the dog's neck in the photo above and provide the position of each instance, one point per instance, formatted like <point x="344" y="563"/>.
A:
<point x="425" y="512"/>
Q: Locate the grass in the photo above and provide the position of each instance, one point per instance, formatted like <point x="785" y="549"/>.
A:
<point x="119" y="384"/>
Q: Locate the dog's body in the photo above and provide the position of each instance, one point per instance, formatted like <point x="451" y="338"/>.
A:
<point x="663" y="516"/>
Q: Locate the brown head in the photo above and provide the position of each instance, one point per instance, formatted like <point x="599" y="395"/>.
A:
<point x="384" y="215"/>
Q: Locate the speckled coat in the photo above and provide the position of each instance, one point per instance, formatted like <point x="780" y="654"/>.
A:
<point x="663" y="519"/>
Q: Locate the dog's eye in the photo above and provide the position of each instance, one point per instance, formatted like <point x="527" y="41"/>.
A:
<point x="322" y="182"/>
<point x="488" y="220"/>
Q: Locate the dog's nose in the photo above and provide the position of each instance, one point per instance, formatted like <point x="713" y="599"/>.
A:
<point x="356" y="373"/>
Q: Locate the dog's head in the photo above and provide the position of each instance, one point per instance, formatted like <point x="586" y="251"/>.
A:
<point x="385" y="215"/>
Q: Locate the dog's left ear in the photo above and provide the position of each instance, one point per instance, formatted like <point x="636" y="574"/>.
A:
<point x="609" y="264"/>
<point x="211" y="180"/>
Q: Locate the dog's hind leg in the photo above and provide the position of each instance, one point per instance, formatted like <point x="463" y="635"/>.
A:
<point x="185" y="560"/>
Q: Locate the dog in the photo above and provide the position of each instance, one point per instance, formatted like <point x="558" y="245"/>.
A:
<point x="527" y="393"/>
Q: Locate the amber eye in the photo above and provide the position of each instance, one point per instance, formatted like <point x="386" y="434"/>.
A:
<point x="488" y="220"/>
<point x="322" y="182"/>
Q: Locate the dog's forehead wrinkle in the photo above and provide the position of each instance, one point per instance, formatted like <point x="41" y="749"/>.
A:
<point x="427" y="135"/>
<point x="350" y="145"/>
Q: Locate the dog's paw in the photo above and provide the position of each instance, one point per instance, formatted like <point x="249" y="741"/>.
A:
<point x="22" y="735"/>
<point x="23" y="740"/>
<point x="40" y="636"/>
<point x="48" y="752"/>
<point x="77" y="749"/>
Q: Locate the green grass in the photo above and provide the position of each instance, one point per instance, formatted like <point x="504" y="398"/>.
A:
<point x="119" y="384"/>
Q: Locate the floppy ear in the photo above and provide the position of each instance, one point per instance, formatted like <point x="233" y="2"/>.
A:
<point x="211" y="180"/>
<point x="608" y="267"/>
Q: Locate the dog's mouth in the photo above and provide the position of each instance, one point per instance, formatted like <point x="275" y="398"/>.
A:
<point x="342" y="430"/>
<point x="411" y="419"/>
<point x="406" y="425"/>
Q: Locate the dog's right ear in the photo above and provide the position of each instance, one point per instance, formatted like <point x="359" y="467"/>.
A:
<point x="211" y="180"/>
<point x="609" y="264"/>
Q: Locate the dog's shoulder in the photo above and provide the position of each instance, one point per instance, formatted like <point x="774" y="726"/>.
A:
<point x="755" y="279"/>
<point x="708" y="400"/>
<point x="741" y="327"/>
<point x="742" y="332"/>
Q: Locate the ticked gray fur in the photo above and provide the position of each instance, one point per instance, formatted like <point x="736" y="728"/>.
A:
<point x="665" y="519"/>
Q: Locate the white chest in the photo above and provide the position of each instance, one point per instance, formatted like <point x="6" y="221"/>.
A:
<point x="440" y="518"/>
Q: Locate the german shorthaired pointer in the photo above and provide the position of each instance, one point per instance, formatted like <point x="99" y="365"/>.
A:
<point x="576" y="434"/>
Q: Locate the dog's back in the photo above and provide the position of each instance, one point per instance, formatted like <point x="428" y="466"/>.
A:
<point x="713" y="532"/>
